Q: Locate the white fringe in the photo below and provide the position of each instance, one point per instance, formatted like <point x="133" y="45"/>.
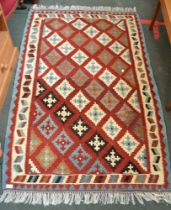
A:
<point x="85" y="8"/>
<point x="55" y="198"/>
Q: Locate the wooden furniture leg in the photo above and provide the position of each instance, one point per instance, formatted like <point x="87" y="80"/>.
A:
<point x="155" y="15"/>
<point x="168" y="106"/>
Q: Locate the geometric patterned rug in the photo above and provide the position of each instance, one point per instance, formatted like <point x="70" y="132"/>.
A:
<point x="85" y="122"/>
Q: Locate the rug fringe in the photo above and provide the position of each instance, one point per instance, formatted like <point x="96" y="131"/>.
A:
<point x="85" y="8"/>
<point x="55" y="198"/>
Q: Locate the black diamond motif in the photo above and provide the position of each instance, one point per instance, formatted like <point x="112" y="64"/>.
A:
<point x="130" y="169"/>
<point x="40" y="88"/>
<point x="96" y="143"/>
<point x="113" y="158"/>
<point x="80" y="128"/>
<point x="63" y="113"/>
<point x="49" y="100"/>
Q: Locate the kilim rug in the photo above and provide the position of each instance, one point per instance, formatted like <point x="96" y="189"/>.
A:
<point x="85" y="123"/>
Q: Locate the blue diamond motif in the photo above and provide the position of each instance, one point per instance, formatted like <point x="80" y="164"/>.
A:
<point x="80" y="158"/>
<point x="38" y="113"/>
<point x="97" y="168"/>
<point x="63" y="142"/>
<point x="48" y="127"/>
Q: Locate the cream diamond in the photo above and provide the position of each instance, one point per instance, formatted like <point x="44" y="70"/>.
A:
<point x="91" y="31"/>
<point x="107" y="77"/>
<point x="122" y="89"/>
<point x="111" y="128"/>
<point x="64" y="88"/>
<point x="79" y="101"/>
<point x="95" y="114"/>
<point x="126" y="56"/>
<point x="104" y="39"/>
<point x="46" y="31"/>
<point x="134" y="101"/>
<point x="54" y="39"/>
<point x="42" y="67"/>
<point x="117" y="48"/>
<point x="79" y="57"/>
<point x="79" y="24"/>
<point x="51" y="78"/>
<point x="128" y="143"/>
<point x="66" y="48"/>
<point x="93" y="67"/>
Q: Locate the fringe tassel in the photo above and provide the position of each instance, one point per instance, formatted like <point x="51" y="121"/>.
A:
<point x="55" y="198"/>
<point x="85" y="8"/>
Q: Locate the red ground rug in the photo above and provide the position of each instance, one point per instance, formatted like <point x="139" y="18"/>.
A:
<point x="85" y="122"/>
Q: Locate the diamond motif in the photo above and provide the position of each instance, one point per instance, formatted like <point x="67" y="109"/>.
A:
<point x="54" y="39"/>
<point x="79" y="57"/>
<point x="122" y="88"/>
<point x="39" y="88"/>
<point x="46" y="31"/>
<point x="56" y="24"/>
<point x="51" y="78"/>
<point x="91" y="31"/>
<point x="67" y="32"/>
<point x="47" y="127"/>
<point x="109" y="101"/>
<point x="128" y="143"/>
<point x="96" y="143"/>
<point x="64" y="88"/>
<point x="65" y="67"/>
<point x="117" y="48"/>
<point x="97" y="168"/>
<point x="105" y="57"/>
<point x="49" y="100"/>
<point x="79" y="78"/>
<point x="103" y="24"/>
<point x="63" y="113"/>
<point x="107" y="77"/>
<point x="141" y="157"/>
<point x="80" y="128"/>
<point x="79" y="39"/>
<point x="43" y="47"/>
<point x="130" y="169"/>
<point x="134" y="101"/>
<point x="92" y="47"/>
<point x="93" y="67"/>
<point x="80" y="158"/>
<point x="42" y="67"/>
<point x="115" y="32"/>
<point x="63" y="142"/>
<point x="53" y="57"/>
<point x="112" y="158"/>
<point x="79" y="24"/>
<point x="104" y="39"/>
<point x="119" y="66"/>
<point x="66" y="48"/>
<point x="126" y="56"/>
<point x="79" y="101"/>
<point x="46" y="157"/>
<point x="94" y="89"/>
<point x="38" y="113"/>
<point x="95" y="114"/>
<point x="111" y="128"/>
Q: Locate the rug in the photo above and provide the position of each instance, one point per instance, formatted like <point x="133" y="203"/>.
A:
<point x="85" y="122"/>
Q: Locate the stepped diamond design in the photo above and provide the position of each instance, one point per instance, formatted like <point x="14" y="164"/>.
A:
<point x="94" y="89"/>
<point x="51" y="78"/>
<point x="80" y="78"/>
<point x="40" y="88"/>
<point x="128" y="143"/>
<point x="95" y="114"/>
<point x="111" y="128"/>
<point x="107" y="77"/>
<point x="53" y="57"/>
<point x="93" y="67"/>
<point x="79" y="57"/>
<point x="54" y="39"/>
<point x="62" y="142"/>
<point x="130" y="169"/>
<point x="113" y="158"/>
<point x="122" y="88"/>
<point x="97" y="168"/>
<point x="49" y="100"/>
<point x="117" y="48"/>
<point x="66" y="48"/>
<point x="80" y="128"/>
<point x="63" y="113"/>
<point x="91" y="31"/>
<point x="141" y="157"/>
<point x="46" y="31"/>
<point x="38" y="113"/>
<point x="134" y="101"/>
<point x="96" y="143"/>
<point x="64" y="88"/>
<point x="104" y="39"/>
<point x="79" y="39"/>
<point x="92" y="47"/>
<point x="47" y="127"/>
<point x="79" y="24"/>
<point x="65" y="67"/>
<point x="126" y="57"/>
<point x="109" y="101"/>
<point x="80" y="158"/>
<point x="105" y="57"/>
<point x="79" y="101"/>
<point x="42" y="67"/>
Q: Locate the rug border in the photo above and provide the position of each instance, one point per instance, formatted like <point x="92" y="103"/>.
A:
<point x="118" y="197"/>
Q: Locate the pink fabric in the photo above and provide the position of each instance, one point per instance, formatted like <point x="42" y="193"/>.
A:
<point x="7" y="5"/>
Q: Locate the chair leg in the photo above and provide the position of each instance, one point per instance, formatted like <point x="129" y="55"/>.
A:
<point x="155" y="15"/>
<point x="168" y="106"/>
